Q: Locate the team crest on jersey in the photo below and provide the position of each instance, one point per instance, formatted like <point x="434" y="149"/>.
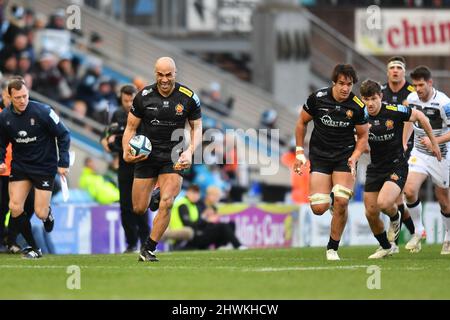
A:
<point x="349" y="114"/>
<point x="389" y="124"/>
<point x="32" y="121"/>
<point x="394" y="177"/>
<point x="179" y="109"/>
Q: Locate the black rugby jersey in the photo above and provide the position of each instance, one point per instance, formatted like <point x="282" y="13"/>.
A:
<point x="385" y="136"/>
<point x="161" y="116"/>
<point x="334" y="125"/>
<point x="399" y="97"/>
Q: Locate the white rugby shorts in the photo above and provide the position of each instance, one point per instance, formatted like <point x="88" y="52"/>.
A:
<point x="429" y="165"/>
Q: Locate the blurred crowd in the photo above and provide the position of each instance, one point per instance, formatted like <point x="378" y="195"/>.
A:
<point x="41" y="49"/>
<point x="75" y="78"/>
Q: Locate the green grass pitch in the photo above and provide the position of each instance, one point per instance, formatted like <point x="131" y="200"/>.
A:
<point x="296" y="273"/>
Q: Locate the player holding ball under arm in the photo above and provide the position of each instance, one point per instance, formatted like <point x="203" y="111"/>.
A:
<point x="158" y="110"/>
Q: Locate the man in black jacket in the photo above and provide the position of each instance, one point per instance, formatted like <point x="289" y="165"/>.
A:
<point x="135" y="226"/>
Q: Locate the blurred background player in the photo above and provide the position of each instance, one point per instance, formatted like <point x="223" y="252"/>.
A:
<point x="395" y="91"/>
<point x="388" y="170"/>
<point x="135" y="226"/>
<point x="333" y="152"/>
<point x="158" y="110"/>
<point x="422" y="163"/>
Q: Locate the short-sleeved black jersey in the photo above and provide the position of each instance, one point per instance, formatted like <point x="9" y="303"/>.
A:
<point x="334" y="125"/>
<point x="161" y="116"/>
<point x="399" y="97"/>
<point x="385" y="136"/>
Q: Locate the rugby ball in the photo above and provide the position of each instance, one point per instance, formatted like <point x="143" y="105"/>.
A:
<point x="140" y="144"/>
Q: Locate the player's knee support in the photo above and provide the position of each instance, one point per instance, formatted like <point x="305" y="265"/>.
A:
<point x="319" y="198"/>
<point x="341" y="191"/>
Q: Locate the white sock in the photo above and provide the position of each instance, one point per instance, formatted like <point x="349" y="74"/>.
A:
<point x="446" y="221"/>
<point x="416" y="216"/>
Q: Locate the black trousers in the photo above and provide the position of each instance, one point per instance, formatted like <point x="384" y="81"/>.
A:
<point x="217" y="234"/>
<point x="135" y="226"/>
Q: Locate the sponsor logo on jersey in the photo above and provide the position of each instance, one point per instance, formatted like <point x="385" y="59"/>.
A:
<point x="26" y="140"/>
<point x="326" y="120"/>
<point x="384" y="137"/>
<point x="179" y="109"/>
<point x="389" y="124"/>
<point x="186" y="91"/>
<point x="321" y="94"/>
<point x="359" y="102"/>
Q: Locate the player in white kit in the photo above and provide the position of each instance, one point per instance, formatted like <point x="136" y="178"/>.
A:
<point x="422" y="164"/>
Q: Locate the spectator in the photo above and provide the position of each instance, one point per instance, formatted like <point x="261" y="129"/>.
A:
<point x="68" y="74"/>
<point x="86" y="88"/>
<point x="57" y="20"/>
<point x="106" y="102"/>
<point x="24" y="68"/>
<point x="102" y="191"/>
<point x="47" y="78"/>
<point x="212" y="99"/>
<point x="14" y="26"/>
<point x="80" y="110"/>
<point x="8" y="62"/>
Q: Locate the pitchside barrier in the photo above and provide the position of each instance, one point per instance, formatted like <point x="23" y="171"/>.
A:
<point x="86" y="229"/>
